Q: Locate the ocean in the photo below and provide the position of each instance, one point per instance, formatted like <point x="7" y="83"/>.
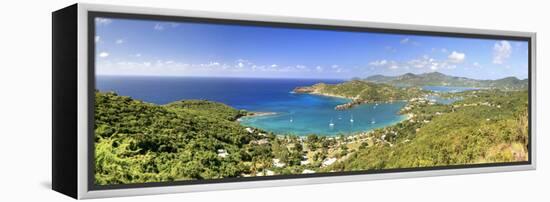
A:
<point x="446" y="89"/>
<point x="295" y="114"/>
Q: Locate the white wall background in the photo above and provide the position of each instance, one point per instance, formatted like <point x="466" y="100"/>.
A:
<point x="25" y="89"/>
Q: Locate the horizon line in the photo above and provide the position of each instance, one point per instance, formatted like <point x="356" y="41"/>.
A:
<point x="309" y="78"/>
<point x="236" y="77"/>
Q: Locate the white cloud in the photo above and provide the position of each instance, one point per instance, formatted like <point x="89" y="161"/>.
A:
<point x="444" y="50"/>
<point x="137" y="66"/>
<point x="103" y="21"/>
<point x="456" y="57"/>
<point x="426" y="62"/>
<point x="334" y="66"/>
<point x="379" y="63"/>
<point x="97" y="39"/>
<point x="390" y="64"/>
<point x="319" y="68"/>
<point x="476" y="64"/>
<point x="119" y="41"/>
<point x="158" y="27"/>
<point x="409" y="41"/>
<point x="137" y="55"/>
<point x="103" y="54"/>
<point x="501" y="52"/>
<point x="242" y="64"/>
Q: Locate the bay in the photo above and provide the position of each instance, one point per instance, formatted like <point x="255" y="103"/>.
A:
<point x="296" y="114"/>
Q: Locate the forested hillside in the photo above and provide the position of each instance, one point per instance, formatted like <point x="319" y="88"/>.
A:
<point x="362" y="90"/>
<point x="485" y="127"/>
<point x="138" y="142"/>
<point x="440" y="79"/>
<point x="141" y="142"/>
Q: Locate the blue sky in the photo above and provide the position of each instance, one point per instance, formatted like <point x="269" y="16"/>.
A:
<point x="160" y="48"/>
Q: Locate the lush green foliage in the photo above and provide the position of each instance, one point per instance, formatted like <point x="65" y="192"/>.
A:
<point x="142" y="142"/>
<point x="487" y="126"/>
<point x="137" y="142"/>
<point x="439" y="79"/>
<point x="366" y="91"/>
<point x="207" y="108"/>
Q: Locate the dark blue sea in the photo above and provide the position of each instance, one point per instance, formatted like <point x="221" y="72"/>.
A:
<point x="297" y="114"/>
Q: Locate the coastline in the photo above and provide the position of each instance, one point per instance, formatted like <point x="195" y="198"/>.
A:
<point x="352" y="101"/>
<point x="256" y="114"/>
<point x="329" y="95"/>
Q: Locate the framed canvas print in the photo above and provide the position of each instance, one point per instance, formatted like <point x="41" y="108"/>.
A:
<point x="151" y="101"/>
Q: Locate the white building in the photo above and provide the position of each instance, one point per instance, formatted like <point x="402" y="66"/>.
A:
<point x="308" y="171"/>
<point x="328" y="162"/>
<point x="222" y="153"/>
<point x="277" y="163"/>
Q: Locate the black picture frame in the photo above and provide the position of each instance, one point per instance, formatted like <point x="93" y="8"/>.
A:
<point x="65" y="92"/>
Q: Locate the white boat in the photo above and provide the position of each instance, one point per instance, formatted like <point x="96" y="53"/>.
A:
<point x="351" y="119"/>
<point x="372" y="121"/>
<point x="291" y="120"/>
<point x="331" y="124"/>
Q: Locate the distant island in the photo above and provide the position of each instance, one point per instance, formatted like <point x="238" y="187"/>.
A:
<point x="379" y="88"/>
<point x="360" y="92"/>
<point x="139" y="142"/>
<point x="440" y="79"/>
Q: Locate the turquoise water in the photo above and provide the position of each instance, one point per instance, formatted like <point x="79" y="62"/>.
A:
<point x="441" y="100"/>
<point x="310" y="114"/>
<point x="446" y="89"/>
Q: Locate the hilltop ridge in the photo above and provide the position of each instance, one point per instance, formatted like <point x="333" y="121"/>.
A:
<point x="440" y="79"/>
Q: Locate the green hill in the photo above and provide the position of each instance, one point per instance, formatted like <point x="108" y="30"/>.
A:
<point x="485" y="127"/>
<point x="440" y="79"/>
<point x="207" y="108"/>
<point x="362" y="91"/>
<point x="138" y="142"/>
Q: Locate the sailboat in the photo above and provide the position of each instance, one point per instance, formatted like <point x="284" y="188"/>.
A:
<point x="331" y="124"/>
<point x="372" y="121"/>
<point x="351" y="119"/>
<point x="291" y="120"/>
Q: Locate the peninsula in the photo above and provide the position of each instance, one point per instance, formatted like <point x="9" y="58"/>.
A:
<point x="360" y="92"/>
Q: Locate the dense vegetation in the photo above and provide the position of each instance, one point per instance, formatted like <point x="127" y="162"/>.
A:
<point x="439" y="79"/>
<point x="487" y="126"/>
<point x="137" y="142"/>
<point x="362" y="90"/>
<point x="142" y="142"/>
<point x="206" y="108"/>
